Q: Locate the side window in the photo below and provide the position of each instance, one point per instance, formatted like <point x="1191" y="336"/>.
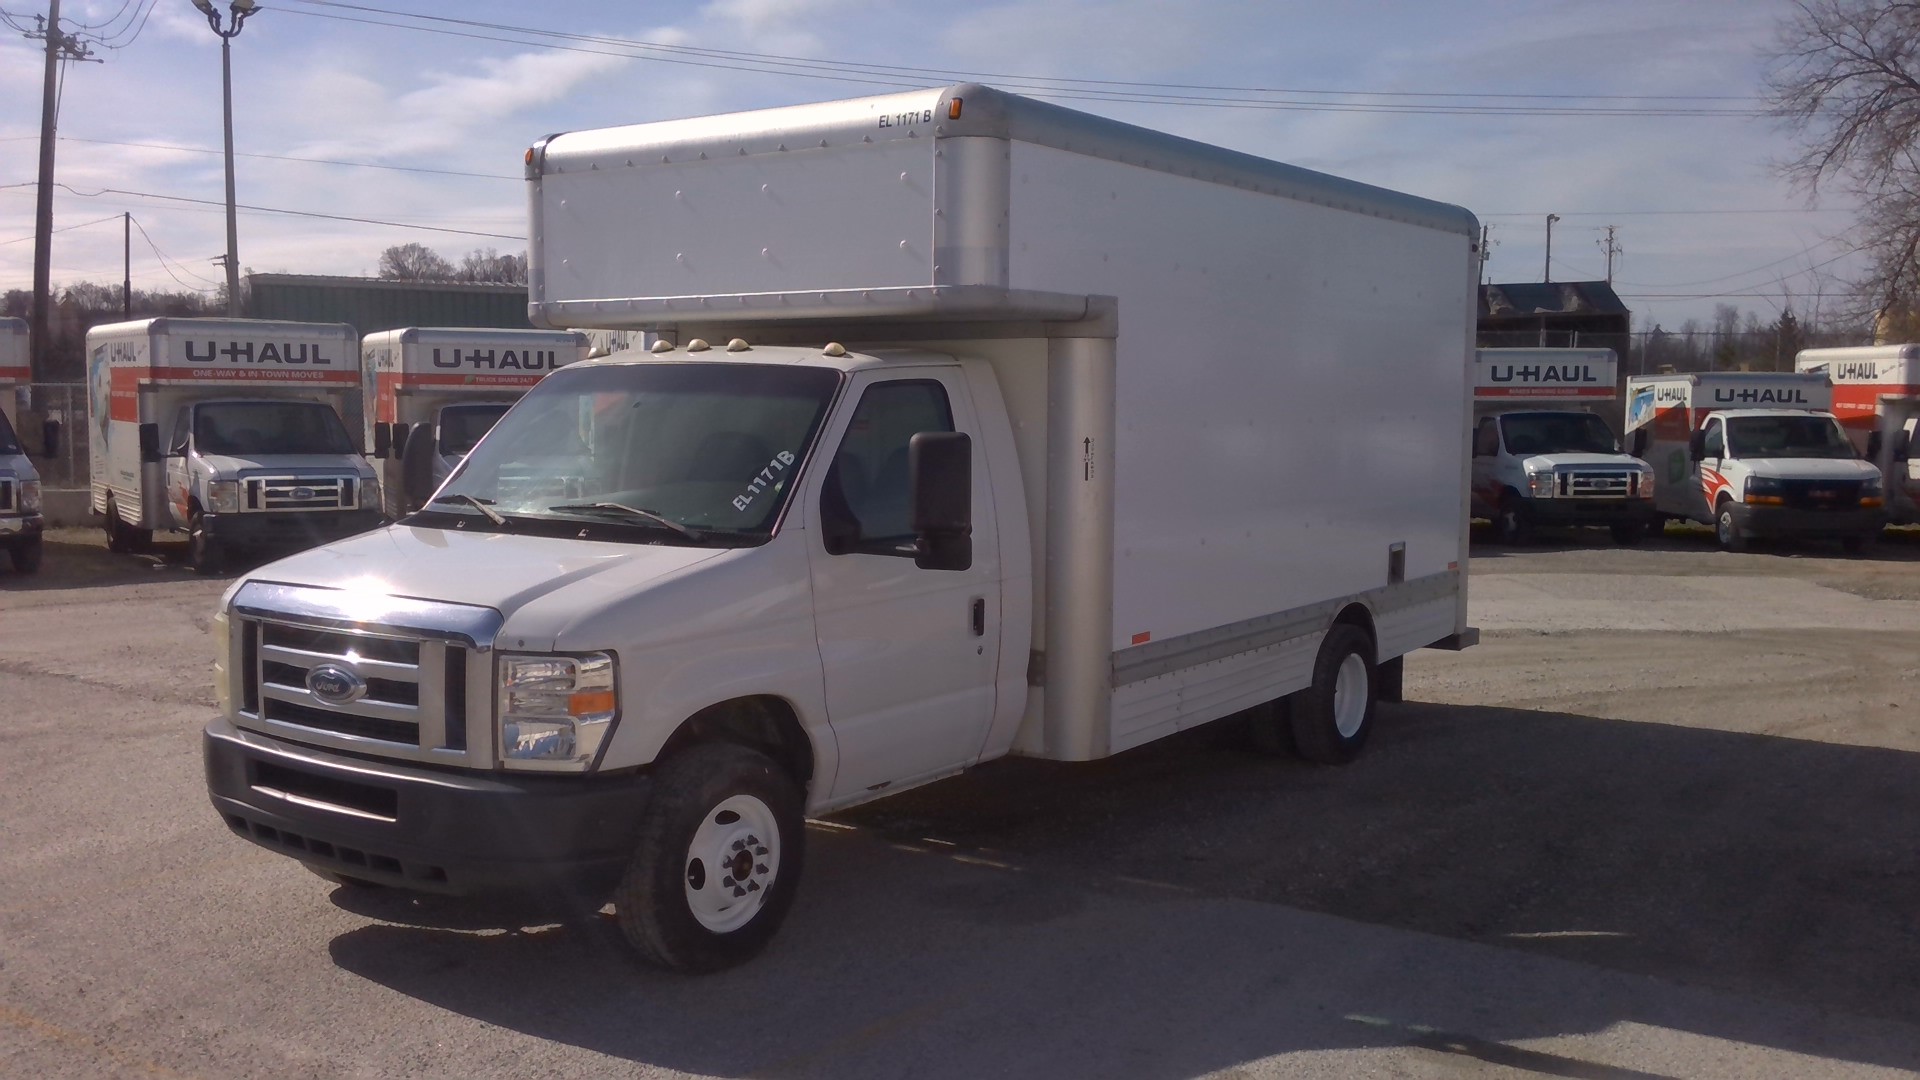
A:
<point x="1716" y="440"/>
<point x="1486" y="441"/>
<point x="182" y="422"/>
<point x="864" y="505"/>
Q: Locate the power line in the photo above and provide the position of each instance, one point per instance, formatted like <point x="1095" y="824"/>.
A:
<point x="61" y="229"/>
<point x="158" y="254"/>
<point x="283" y="210"/>
<point x="1728" y="277"/>
<point x="890" y="75"/>
<point x="289" y="157"/>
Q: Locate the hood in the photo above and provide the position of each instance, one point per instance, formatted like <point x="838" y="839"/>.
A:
<point x="17" y="467"/>
<point x="235" y="467"/>
<point x="1564" y="461"/>
<point x="1810" y="468"/>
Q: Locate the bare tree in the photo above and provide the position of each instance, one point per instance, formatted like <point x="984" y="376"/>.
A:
<point x="1844" y="77"/>
<point x="487" y="264"/>
<point x="414" y="262"/>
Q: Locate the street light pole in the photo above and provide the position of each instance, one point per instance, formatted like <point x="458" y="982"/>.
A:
<point x="239" y="10"/>
<point x="1547" y="274"/>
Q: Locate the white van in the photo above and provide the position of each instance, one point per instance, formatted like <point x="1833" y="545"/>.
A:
<point x="21" y="522"/>
<point x="438" y="390"/>
<point x="227" y="430"/>
<point x="1543" y="453"/>
<point x="1876" y="395"/>
<point x="976" y="426"/>
<point x="1754" y="454"/>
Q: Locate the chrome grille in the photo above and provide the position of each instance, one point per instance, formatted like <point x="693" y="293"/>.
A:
<point x="1594" y="485"/>
<point x="413" y="701"/>
<point x="302" y="493"/>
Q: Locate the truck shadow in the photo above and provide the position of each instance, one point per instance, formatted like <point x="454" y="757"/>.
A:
<point x="1168" y="912"/>
<point x="1896" y="544"/>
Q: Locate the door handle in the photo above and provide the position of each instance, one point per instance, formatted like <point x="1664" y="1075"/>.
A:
<point x="979" y="616"/>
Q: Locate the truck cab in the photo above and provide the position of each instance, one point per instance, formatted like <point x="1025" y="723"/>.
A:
<point x="1784" y="473"/>
<point x="21" y="522"/>
<point x="1542" y="452"/>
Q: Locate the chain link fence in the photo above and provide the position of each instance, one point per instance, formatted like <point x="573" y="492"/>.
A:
<point x="59" y="411"/>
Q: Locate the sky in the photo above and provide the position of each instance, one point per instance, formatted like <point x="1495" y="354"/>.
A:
<point x="1349" y="88"/>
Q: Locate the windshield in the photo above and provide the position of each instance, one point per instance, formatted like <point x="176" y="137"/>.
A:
<point x="1786" y="435"/>
<point x="262" y="428"/>
<point x="462" y="425"/>
<point x="712" y="448"/>
<point x="9" y="443"/>
<point x="1557" y="433"/>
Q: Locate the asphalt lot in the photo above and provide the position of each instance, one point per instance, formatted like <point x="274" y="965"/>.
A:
<point x="1660" y="823"/>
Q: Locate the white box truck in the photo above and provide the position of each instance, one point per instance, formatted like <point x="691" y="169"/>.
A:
<point x="437" y="390"/>
<point x="228" y="430"/>
<point x="21" y="522"/>
<point x="1876" y="395"/>
<point x="1753" y="454"/>
<point x="976" y="426"/>
<point x="1544" y="452"/>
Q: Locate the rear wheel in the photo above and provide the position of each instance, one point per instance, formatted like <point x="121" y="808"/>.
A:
<point x="26" y="556"/>
<point x="1332" y="718"/>
<point x="718" y="861"/>
<point x="1726" y="529"/>
<point x="117" y="540"/>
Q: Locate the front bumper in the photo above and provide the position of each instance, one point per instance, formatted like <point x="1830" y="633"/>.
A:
<point x="1793" y="521"/>
<point x="269" y="529"/>
<point x="428" y="830"/>
<point x="1587" y="511"/>
<point x="20" y="529"/>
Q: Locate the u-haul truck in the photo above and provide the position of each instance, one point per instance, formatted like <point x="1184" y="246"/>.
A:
<point x="20" y="520"/>
<point x="975" y="426"/>
<point x="1876" y="395"/>
<point x="447" y="386"/>
<point x="227" y="430"/>
<point x="1753" y="454"/>
<point x="1543" y="452"/>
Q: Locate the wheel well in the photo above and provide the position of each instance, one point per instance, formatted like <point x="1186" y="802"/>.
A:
<point x="1358" y="615"/>
<point x="764" y="723"/>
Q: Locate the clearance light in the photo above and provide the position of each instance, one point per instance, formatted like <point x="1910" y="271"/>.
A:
<point x="953" y="109"/>
<point x="662" y="346"/>
<point x="698" y="345"/>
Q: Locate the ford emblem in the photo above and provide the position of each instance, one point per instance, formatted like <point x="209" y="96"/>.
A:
<point x="335" y="685"/>
<point x="303" y="493"/>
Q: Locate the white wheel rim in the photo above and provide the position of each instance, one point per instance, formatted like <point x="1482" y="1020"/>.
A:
<point x="732" y="863"/>
<point x="1350" y="693"/>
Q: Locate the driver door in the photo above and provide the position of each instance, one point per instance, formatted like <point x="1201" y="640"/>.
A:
<point x="1709" y="481"/>
<point x="910" y="656"/>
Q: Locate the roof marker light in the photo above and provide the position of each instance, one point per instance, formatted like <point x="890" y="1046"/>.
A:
<point x="698" y="345"/>
<point x="661" y="346"/>
<point x="834" y="348"/>
<point x="738" y="345"/>
<point x="953" y="109"/>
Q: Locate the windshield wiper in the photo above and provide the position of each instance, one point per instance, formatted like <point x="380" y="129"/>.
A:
<point x="633" y="511"/>
<point x="485" y="506"/>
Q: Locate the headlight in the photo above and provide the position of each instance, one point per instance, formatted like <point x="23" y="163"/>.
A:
<point x="30" y="496"/>
<point x="555" y="711"/>
<point x="1643" y="484"/>
<point x="1764" y="491"/>
<point x="1540" y="484"/>
<point x="222" y="634"/>
<point x="225" y="496"/>
<point x="370" y="492"/>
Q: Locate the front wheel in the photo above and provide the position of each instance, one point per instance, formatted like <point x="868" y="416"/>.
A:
<point x="1332" y="718"/>
<point x="1510" y="524"/>
<point x="718" y="861"/>
<point x="204" y="553"/>
<point x="26" y="556"/>
<point x="1727" y="530"/>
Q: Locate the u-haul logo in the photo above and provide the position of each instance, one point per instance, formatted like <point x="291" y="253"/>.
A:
<point x="249" y="352"/>
<point x="1670" y="395"/>
<point x="1854" y="370"/>
<point x="1760" y="395"/>
<point x="1564" y="374"/>
<point x="497" y="359"/>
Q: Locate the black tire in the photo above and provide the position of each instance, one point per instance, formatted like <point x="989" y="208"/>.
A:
<point x="1629" y="533"/>
<point x="117" y="539"/>
<point x="1312" y="712"/>
<point x="1861" y="544"/>
<point x="1726" y="528"/>
<point x="26" y="556"/>
<point x="204" y="553"/>
<point x="1510" y="524"/>
<point x="651" y="904"/>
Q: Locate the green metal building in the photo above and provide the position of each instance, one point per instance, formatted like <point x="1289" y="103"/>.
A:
<point x="371" y="305"/>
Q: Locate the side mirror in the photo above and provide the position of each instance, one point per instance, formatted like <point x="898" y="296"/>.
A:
<point x="1697" y="446"/>
<point x="397" y="440"/>
<point x="382" y="440"/>
<point x="150" y="442"/>
<point x="1875" y="441"/>
<point x="50" y="438"/>
<point x="940" y="489"/>
<point x="416" y="466"/>
<point x="1640" y="441"/>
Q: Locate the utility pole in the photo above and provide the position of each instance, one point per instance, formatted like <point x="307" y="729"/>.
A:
<point x="59" y="47"/>
<point x="1612" y="248"/>
<point x="126" y="265"/>
<point x="1486" y="252"/>
<point x="238" y="12"/>
<point x="1546" y="275"/>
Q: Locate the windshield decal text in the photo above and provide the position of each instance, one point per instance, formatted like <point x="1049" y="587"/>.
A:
<point x="781" y="463"/>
